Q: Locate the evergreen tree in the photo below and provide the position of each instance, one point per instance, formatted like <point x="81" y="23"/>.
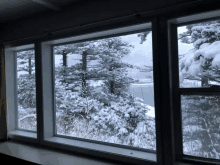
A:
<point x="201" y="122"/>
<point x="111" y="68"/>
<point x="129" y="111"/>
<point x="146" y="69"/>
<point x="70" y="76"/>
<point x="143" y="36"/>
<point x="201" y="112"/>
<point x="205" y="33"/>
<point x="26" y="82"/>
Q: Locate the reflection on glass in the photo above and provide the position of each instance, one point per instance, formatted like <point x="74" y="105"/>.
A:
<point x="104" y="91"/>
<point x="199" y="57"/>
<point x="201" y="123"/>
<point x="26" y="90"/>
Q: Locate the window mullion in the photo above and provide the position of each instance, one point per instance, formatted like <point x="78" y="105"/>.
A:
<point x="165" y="152"/>
<point x="39" y="91"/>
<point x="199" y="90"/>
<point x="3" y="122"/>
<point x="175" y="103"/>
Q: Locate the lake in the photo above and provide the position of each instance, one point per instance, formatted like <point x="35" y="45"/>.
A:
<point x="144" y="91"/>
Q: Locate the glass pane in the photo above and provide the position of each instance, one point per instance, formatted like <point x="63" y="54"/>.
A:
<point x="201" y="125"/>
<point x="199" y="54"/>
<point x="26" y="90"/>
<point x="105" y="92"/>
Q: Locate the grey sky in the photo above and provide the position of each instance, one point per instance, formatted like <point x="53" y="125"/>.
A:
<point x="183" y="48"/>
<point x="140" y="55"/>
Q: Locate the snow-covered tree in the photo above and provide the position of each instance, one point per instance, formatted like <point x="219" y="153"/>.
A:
<point x="145" y="69"/>
<point x="125" y="119"/>
<point x="143" y="36"/>
<point x="111" y="52"/>
<point x="26" y="82"/>
<point x="201" y="122"/>
<point x="201" y="63"/>
<point x="72" y="75"/>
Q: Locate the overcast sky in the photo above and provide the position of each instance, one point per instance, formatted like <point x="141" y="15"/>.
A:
<point x="140" y="55"/>
<point x="183" y="48"/>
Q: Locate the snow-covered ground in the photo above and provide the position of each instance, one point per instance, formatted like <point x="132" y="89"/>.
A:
<point x="146" y="84"/>
<point x="190" y="83"/>
<point x="151" y="112"/>
<point x="194" y="83"/>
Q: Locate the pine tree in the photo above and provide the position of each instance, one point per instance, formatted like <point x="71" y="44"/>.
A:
<point x="72" y="75"/>
<point x="201" y="112"/>
<point x="200" y="34"/>
<point x="111" y="68"/>
<point x="26" y="82"/>
<point x="201" y="122"/>
<point x="143" y="36"/>
<point x="108" y="54"/>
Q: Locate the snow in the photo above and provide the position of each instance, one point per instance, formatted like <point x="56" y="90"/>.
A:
<point x="216" y="61"/>
<point x="198" y="28"/>
<point x="190" y="83"/>
<point x="193" y="61"/>
<point x="151" y="112"/>
<point x="121" y="117"/>
<point x="147" y="84"/>
<point x="73" y="59"/>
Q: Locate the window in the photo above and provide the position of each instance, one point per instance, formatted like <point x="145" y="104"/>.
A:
<point x="199" y="63"/>
<point x="98" y="92"/>
<point x="21" y="91"/>
<point x="88" y="97"/>
<point x="105" y="86"/>
<point x="201" y="120"/>
<point x="26" y="90"/>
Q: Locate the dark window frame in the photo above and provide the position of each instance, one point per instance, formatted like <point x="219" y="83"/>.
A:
<point x="179" y="91"/>
<point x="163" y="153"/>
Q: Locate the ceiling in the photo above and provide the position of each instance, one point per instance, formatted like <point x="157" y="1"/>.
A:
<point x="17" y="9"/>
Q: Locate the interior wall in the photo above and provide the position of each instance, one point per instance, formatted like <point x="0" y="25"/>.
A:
<point x="88" y="12"/>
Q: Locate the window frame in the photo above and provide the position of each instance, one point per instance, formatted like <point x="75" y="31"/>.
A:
<point x="54" y="110"/>
<point x="11" y="93"/>
<point x="49" y="48"/>
<point x="16" y="91"/>
<point x="164" y="25"/>
<point x="43" y="136"/>
<point x="178" y="91"/>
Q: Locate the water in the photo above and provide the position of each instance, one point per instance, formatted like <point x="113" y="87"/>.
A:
<point x="146" y="92"/>
<point x="143" y="91"/>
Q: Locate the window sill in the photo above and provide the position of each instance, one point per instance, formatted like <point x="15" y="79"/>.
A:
<point x="16" y="133"/>
<point x="57" y="149"/>
<point x="109" y="150"/>
<point x="43" y="156"/>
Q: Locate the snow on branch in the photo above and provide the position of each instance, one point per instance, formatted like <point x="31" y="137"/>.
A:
<point x="30" y="115"/>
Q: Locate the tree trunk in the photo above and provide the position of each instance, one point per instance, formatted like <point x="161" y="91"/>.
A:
<point x="64" y="65"/>
<point x="84" y="68"/>
<point x="30" y="69"/>
<point x="64" y="58"/>
<point x="204" y="82"/>
<point x="111" y="82"/>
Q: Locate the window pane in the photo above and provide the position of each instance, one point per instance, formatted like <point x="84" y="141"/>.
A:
<point x="199" y="54"/>
<point x="201" y="125"/>
<point x="26" y="90"/>
<point x="105" y="92"/>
